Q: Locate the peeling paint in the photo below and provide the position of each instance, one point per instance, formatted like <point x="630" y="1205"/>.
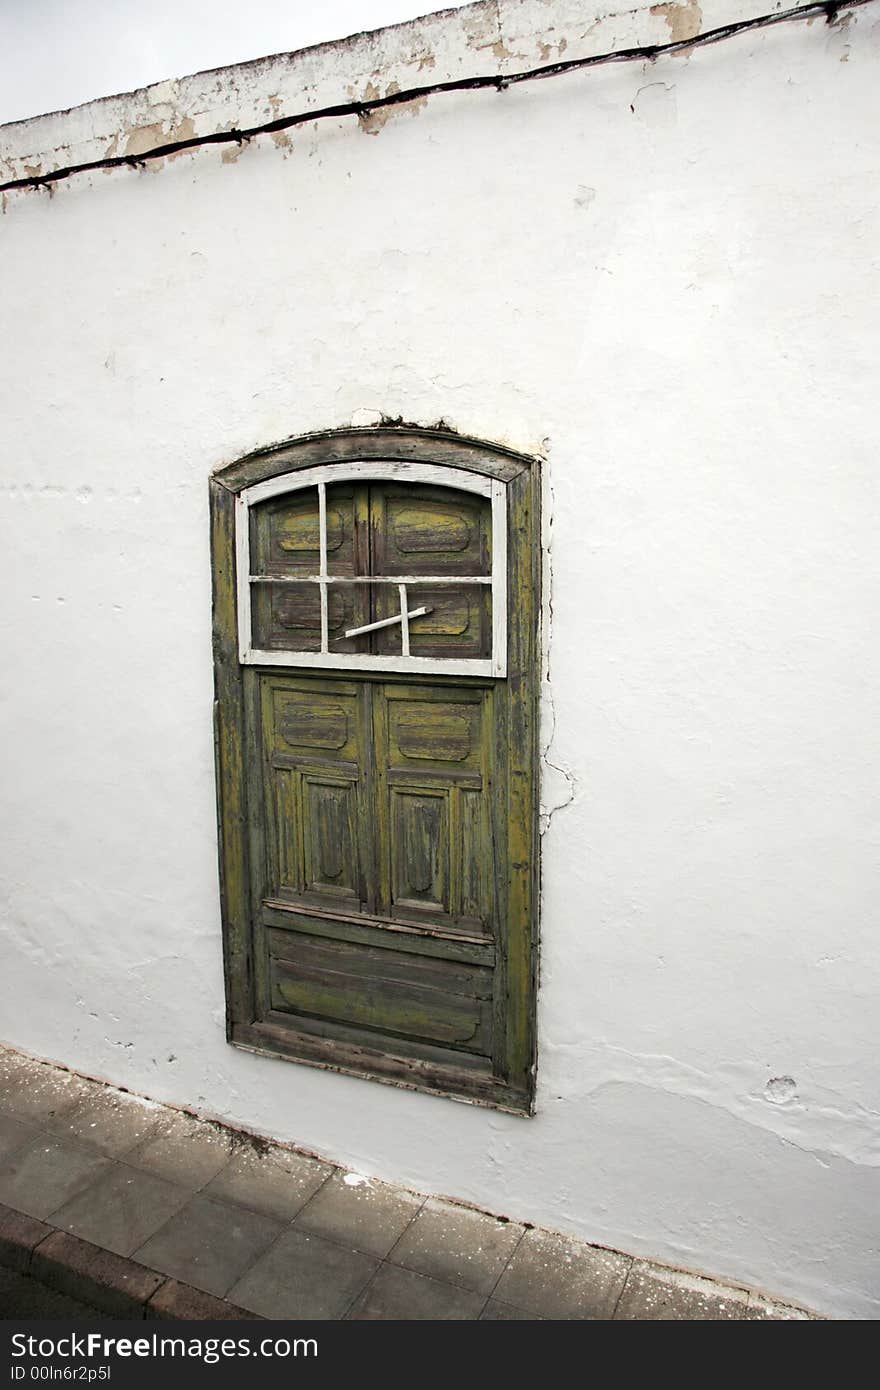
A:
<point x="684" y="20"/>
<point x="550" y="51"/>
<point x="184" y="130"/>
<point x="373" y="121"/>
<point x="143" y="138"/>
<point x="482" y="25"/>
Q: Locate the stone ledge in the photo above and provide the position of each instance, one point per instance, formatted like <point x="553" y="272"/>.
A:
<point x="109" y="1283"/>
<point x="182" y="1303"/>
<point x="19" y="1237"/>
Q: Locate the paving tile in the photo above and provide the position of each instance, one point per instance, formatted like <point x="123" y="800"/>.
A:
<point x="562" y="1278"/>
<point x="457" y="1245"/>
<point x="120" y="1209"/>
<point x="176" y="1302"/>
<point x="760" y="1309"/>
<point x="496" y="1311"/>
<point x="36" y="1092"/>
<point x="276" y="1182"/>
<point x="655" y="1294"/>
<point x="303" y="1276"/>
<point x="113" y="1121"/>
<point x="184" y="1150"/>
<point x="362" y="1215"/>
<point x="209" y="1244"/>
<point x="46" y="1172"/>
<point x="13" y="1134"/>
<point x="398" y="1295"/>
<point x="100" y="1278"/>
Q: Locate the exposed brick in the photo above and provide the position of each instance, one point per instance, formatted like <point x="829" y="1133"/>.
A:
<point x="84" y="1271"/>
<point x="178" y="1302"/>
<point x="19" y="1234"/>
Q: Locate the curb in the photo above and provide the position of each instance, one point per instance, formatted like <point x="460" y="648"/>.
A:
<point x="110" y="1283"/>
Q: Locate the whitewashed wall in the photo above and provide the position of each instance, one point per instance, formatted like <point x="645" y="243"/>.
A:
<point x="662" y="278"/>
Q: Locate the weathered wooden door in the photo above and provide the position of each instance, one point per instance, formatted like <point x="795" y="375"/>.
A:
<point x="388" y="775"/>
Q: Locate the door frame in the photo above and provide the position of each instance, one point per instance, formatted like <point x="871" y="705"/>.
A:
<point x="236" y="750"/>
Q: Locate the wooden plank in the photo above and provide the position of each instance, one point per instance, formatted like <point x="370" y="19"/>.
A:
<point x="522" y="796"/>
<point x="381" y="1005"/>
<point x="380" y="931"/>
<point x="447" y="450"/>
<point x="259" y="856"/>
<point x="462" y="1082"/>
<point x="426" y="777"/>
<point x="353" y="958"/>
<point x="232" y="803"/>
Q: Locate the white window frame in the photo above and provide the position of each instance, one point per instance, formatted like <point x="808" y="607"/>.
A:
<point x="377" y="471"/>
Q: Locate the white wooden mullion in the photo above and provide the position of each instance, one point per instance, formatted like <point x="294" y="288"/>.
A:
<point x="322" y="542"/>
<point x="454" y="580"/>
<point x="499" y="579"/>
<point x="378" y="470"/>
<point x="362" y="661"/>
<point x="242" y="571"/>
<point x="404" y="621"/>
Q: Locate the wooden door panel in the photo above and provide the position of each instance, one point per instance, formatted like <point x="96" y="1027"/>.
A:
<point x="434" y="758"/>
<point x="287" y="615"/>
<point x="330" y="850"/>
<point x="426" y="530"/>
<point x="419" y="843"/>
<point x="285" y="541"/>
<point x="385" y="991"/>
<point x="313" y="734"/>
<point x="285" y="532"/>
<point x="433" y="531"/>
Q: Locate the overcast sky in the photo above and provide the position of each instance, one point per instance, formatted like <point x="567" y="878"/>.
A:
<point x="58" y="53"/>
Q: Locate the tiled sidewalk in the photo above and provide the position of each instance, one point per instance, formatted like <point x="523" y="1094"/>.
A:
<point x="282" y="1235"/>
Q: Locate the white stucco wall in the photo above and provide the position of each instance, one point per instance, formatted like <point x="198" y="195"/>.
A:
<point x="663" y="278"/>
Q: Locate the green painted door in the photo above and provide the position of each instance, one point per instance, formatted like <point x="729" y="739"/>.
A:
<point x="387" y="928"/>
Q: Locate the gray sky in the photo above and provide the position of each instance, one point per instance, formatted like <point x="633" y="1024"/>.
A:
<point x="58" y="53"/>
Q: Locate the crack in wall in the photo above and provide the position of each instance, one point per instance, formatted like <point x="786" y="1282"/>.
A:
<point x="558" y="783"/>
